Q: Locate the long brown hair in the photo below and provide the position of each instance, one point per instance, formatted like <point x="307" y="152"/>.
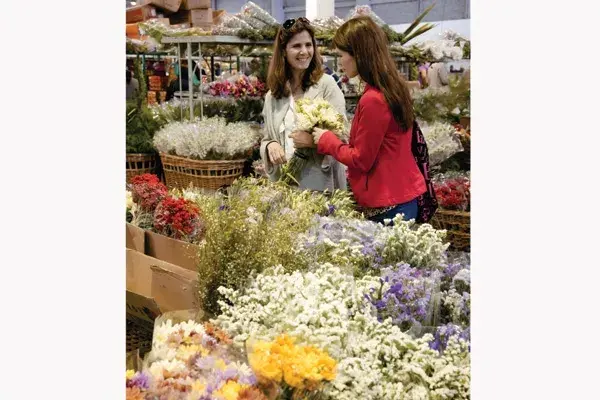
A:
<point x="279" y="69"/>
<point x="368" y="44"/>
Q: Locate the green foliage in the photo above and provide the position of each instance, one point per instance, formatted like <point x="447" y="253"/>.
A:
<point x="391" y="34"/>
<point x="140" y="126"/>
<point x="269" y="32"/>
<point x="240" y="110"/>
<point x="439" y="105"/>
<point x="252" y="34"/>
<point x="467" y="50"/>
<point x="138" y="74"/>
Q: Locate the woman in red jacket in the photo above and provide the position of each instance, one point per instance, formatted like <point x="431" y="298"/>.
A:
<point x="382" y="170"/>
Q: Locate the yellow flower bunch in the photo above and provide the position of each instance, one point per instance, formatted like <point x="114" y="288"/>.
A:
<point x="186" y="351"/>
<point x="300" y="367"/>
<point x="229" y="391"/>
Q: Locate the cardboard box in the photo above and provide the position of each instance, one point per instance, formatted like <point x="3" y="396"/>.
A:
<point x="217" y="16"/>
<point x="154" y="287"/>
<point x="139" y="14"/>
<point x="167" y="5"/>
<point x="204" y="26"/>
<point x="132" y="31"/>
<point x="201" y="16"/>
<point x="193" y="4"/>
<point x="173" y="251"/>
<point x="135" y="238"/>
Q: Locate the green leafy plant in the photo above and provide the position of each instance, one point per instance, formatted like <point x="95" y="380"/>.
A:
<point x="141" y="124"/>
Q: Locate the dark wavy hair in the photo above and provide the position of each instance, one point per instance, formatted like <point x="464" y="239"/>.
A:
<point x="368" y="44"/>
<point x="279" y="69"/>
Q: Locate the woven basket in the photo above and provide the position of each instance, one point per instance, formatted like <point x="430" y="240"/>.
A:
<point x="138" y="164"/>
<point x="182" y="172"/>
<point x="458" y="225"/>
<point x="138" y="336"/>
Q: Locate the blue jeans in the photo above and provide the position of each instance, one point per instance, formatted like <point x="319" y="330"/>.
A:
<point x="409" y="209"/>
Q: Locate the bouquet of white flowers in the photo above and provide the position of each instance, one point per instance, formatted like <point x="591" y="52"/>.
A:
<point x="310" y="114"/>
<point x="443" y="141"/>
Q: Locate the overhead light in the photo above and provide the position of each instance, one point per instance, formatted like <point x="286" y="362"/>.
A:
<point x="133" y="3"/>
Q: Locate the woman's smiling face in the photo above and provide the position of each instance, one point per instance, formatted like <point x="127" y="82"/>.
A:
<point x="299" y="51"/>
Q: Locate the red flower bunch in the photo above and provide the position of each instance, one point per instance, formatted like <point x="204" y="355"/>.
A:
<point x="147" y="191"/>
<point x="454" y="194"/>
<point x="178" y="218"/>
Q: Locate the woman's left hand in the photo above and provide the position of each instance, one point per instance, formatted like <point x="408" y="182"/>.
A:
<point x="302" y="139"/>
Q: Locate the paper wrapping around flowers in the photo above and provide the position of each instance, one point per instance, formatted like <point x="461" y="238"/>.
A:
<point x="364" y="10"/>
<point x="254" y="23"/>
<point x="235" y="22"/>
<point x="442" y="141"/>
<point x="250" y="9"/>
<point x="225" y="31"/>
<point x="327" y="24"/>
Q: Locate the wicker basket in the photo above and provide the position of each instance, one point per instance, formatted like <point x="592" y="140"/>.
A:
<point x="458" y="225"/>
<point x="138" y="164"/>
<point x="138" y="335"/>
<point x="182" y="172"/>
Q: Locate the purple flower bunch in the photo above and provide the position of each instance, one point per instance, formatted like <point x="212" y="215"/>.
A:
<point x="445" y="332"/>
<point x="407" y="297"/>
<point x="216" y="377"/>
<point x="455" y="287"/>
<point x="140" y="380"/>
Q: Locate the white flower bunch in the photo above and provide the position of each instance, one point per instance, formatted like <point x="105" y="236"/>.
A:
<point x="209" y="138"/>
<point x="442" y="49"/>
<point x="442" y="141"/>
<point x="327" y="309"/>
<point x="312" y="306"/>
<point x="456" y="303"/>
<point x="422" y="247"/>
<point x="311" y="113"/>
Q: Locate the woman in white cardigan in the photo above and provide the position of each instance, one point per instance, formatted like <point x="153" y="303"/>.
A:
<point x="296" y="72"/>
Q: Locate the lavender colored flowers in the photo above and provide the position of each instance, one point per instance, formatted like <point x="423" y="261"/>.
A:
<point x="406" y="299"/>
<point x="445" y="332"/>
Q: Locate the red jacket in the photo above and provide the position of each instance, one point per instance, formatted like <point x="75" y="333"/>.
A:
<point x="381" y="167"/>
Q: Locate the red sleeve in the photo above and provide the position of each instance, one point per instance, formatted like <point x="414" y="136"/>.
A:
<point x="367" y="136"/>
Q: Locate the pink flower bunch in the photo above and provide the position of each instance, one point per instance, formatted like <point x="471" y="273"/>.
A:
<point x="241" y="87"/>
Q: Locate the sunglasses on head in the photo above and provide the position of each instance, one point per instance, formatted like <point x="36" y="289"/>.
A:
<point x="288" y="24"/>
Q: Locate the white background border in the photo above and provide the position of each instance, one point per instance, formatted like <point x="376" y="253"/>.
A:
<point x="535" y="219"/>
